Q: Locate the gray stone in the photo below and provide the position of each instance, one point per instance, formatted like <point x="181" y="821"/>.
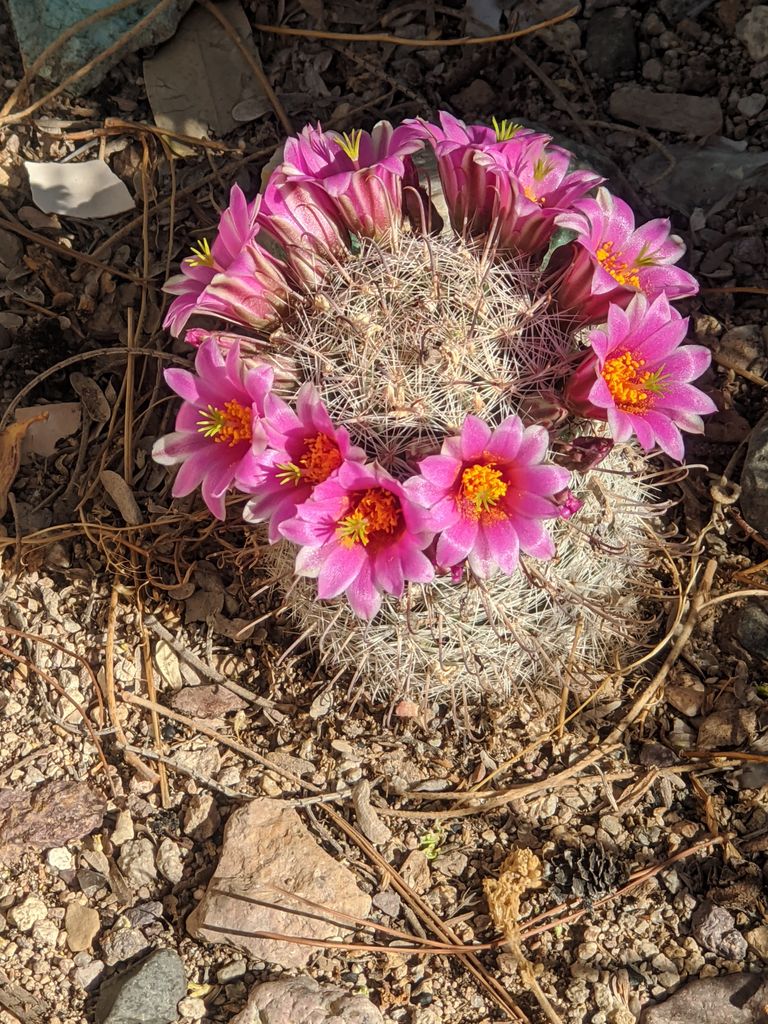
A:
<point x="303" y="1001"/>
<point x="147" y="994"/>
<point x="752" y="30"/>
<point x="726" y="729"/>
<point x="137" y="862"/>
<point x="754" y="479"/>
<point x="653" y="70"/>
<point x="121" y="944"/>
<point x="750" y="249"/>
<point x="751" y="105"/>
<point x="611" y="45"/>
<point x="714" y="928"/>
<point x="656" y="755"/>
<point x="668" y="111"/>
<point x="751" y="629"/>
<point x="388" y="902"/>
<point x="731" y="999"/>
<point x="701" y="177"/>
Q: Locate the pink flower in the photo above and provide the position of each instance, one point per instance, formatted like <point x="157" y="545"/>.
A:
<point x="533" y="187"/>
<point x="304" y="450"/>
<point x="235" y="278"/>
<point x="469" y="180"/>
<point x="613" y="260"/>
<point x="361" y="172"/>
<point x="360" y="535"/>
<point x="567" y="503"/>
<point x="306" y="223"/>
<point x="640" y="376"/>
<point x="488" y="495"/>
<point x="218" y="424"/>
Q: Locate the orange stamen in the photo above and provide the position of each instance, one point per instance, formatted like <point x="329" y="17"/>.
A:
<point x="230" y="424"/>
<point x="621" y="271"/>
<point x="321" y="458"/>
<point x="376" y="512"/>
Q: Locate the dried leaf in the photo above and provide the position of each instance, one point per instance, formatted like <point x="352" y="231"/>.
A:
<point x="86" y="190"/>
<point x="92" y="397"/>
<point x="122" y="495"/>
<point x="197" y="80"/>
<point x="371" y="825"/>
<point x="10" y="456"/>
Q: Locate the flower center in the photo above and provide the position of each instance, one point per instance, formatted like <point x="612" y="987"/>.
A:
<point x="505" y="130"/>
<point x="229" y="425"/>
<point x="201" y="254"/>
<point x="350" y="143"/>
<point x="621" y="271"/>
<point x="632" y="388"/>
<point x="321" y="458"/>
<point x="377" y="512"/>
<point x="483" y="486"/>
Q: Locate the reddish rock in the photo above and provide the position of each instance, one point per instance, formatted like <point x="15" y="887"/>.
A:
<point x="267" y="848"/>
<point x="52" y="815"/>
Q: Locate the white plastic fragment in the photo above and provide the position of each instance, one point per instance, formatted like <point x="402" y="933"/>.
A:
<point x="86" y="190"/>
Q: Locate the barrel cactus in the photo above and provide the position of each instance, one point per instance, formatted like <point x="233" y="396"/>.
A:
<point x="443" y="429"/>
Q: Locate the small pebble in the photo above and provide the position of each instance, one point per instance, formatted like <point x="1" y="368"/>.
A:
<point x="191" y="1008"/>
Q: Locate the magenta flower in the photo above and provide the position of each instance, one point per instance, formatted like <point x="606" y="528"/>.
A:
<point x="469" y="180"/>
<point x="613" y="260"/>
<point x="639" y="376"/>
<point x="218" y="424"/>
<point x="306" y="223"/>
<point x="533" y="186"/>
<point x="488" y="495"/>
<point x="235" y="278"/>
<point x="360" y="535"/>
<point x="304" y="449"/>
<point x="361" y="172"/>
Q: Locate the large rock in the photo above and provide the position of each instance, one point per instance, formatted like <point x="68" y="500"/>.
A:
<point x="38" y="23"/>
<point x="668" y="111"/>
<point x="732" y="999"/>
<point x="302" y="1001"/>
<point x="147" y="994"/>
<point x="267" y="851"/>
<point x="754" y="479"/>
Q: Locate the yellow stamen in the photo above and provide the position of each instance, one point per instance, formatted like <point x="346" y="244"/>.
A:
<point x="621" y="271"/>
<point x="228" y="425"/>
<point x="289" y="473"/>
<point x="631" y="387"/>
<point x="201" y="254"/>
<point x="505" y="130"/>
<point x="377" y="512"/>
<point x="541" y="168"/>
<point x="350" y="143"/>
<point x="483" y="486"/>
